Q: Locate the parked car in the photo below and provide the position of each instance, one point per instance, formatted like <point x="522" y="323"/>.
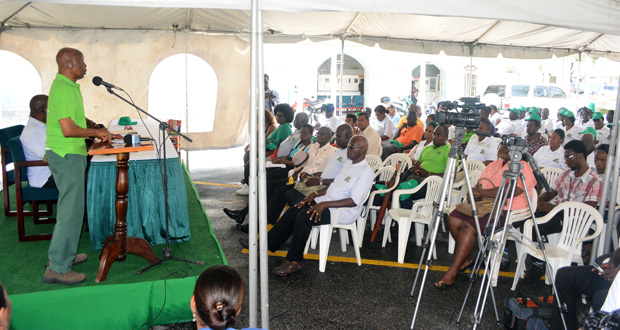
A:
<point x="529" y="95"/>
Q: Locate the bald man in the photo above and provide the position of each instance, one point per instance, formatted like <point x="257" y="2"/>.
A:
<point x="33" y="141"/>
<point x="66" y="154"/>
<point x="349" y="189"/>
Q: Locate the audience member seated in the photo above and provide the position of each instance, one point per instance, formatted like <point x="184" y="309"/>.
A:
<point x="407" y="137"/>
<point x="374" y="140"/>
<point x="418" y="112"/>
<point x="433" y="158"/>
<point x="552" y="155"/>
<point x="217" y="299"/>
<point x="512" y="125"/>
<point x="571" y="131"/>
<point x="484" y="114"/>
<point x="284" y="117"/>
<point x="383" y="125"/>
<point x="394" y="116"/>
<point x="546" y="122"/>
<point x="572" y="282"/>
<point x="330" y="120"/>
<point x="427" y="141"/>
<point x="533" y="138"/>
<point x="348" y="189"/>
<point x="463" y="227"/>
<point x="495" y="116"/>
<point x="586" y="118"/>
<point x="351" y="119"/>
<point x="482" y="146"/>
<point x="5" y="312"/>
<point x="33" y="140"/>
<point x="602" y="132"/>
<point x="430" y="118"/>
<point x="270" y="123"/>
<point x="578" y="183"/>
<point x="588" y="137"/>
<point x="301" y="119"/>
<point x="319" y="154"/>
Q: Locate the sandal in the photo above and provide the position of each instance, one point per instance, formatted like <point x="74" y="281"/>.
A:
<point x="286" y="268"/>
<point x="441" y="285"/>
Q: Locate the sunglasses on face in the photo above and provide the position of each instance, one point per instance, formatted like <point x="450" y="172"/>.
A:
<point x="352" y="147"/>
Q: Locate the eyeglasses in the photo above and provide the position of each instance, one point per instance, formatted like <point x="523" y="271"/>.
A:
<point x="569" y="157"/>
<point x="352" y="147"/>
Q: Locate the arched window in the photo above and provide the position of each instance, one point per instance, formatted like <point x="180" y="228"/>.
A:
<point x="20" y="82"/>
<point x="184" y="86"/>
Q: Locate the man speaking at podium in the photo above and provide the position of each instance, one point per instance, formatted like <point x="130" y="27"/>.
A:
<point x="66" y="154"/>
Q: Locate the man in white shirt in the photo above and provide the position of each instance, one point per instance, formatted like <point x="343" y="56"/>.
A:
<point x="482" y="146"/>
<point x="374" y="140"/>
<point x="330" y="120"/>
<point x="552" y="155"/>
<point x="512" y="125"/>
<point x="348" y="189"/>
<point x="571" y="131"/>
<point x="559" y="123"/>
<point x="33" y="141"/>
<point x="547" y="123"/>
<point x="588" y="137"/>
<point x="495" y="117"/>
<point x="602" y="132"/>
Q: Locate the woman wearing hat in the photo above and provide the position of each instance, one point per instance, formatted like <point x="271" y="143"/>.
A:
<point x="571" y="131"/>
<point x="602" y="131"/>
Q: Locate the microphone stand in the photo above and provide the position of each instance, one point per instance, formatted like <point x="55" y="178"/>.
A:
<point x="163" y="127"/>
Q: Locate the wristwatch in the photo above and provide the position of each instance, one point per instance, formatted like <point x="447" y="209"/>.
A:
<point x="320" y="181"/>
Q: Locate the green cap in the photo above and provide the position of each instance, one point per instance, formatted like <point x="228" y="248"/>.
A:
<point x="597" y="115"/>
<point x="589" y="130"/>
<point x="533" y="116"/>
<point x="126" y="121"/>
<point x="591" y="106"/>
<point x="515" y="110"/>
<point x="522" y="108"/>
<point x="534" y="110"/>
<point x="569" y="113"/>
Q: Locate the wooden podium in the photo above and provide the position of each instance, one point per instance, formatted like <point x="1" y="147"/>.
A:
<point x="115" y="248"/>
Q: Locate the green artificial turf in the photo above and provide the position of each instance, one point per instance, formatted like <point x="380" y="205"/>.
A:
<point x="21" y="263"/>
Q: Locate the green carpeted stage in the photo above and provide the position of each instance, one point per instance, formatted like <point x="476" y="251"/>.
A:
<point x="124" y="300"/>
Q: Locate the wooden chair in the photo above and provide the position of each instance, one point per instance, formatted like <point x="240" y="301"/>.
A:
<point x="8" y="176"/>
<point x="27" y="193"/>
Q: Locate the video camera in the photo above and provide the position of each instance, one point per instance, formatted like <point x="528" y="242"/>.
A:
<point x="513" y="140"/>
<point x="468" y="116"/>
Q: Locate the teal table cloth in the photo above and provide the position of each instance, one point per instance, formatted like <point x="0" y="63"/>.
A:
<point x="145" y="201"/>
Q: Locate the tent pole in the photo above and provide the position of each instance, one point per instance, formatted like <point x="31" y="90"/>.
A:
<point x="578" y="83"/>
<point x="262" y="187"/>
<point x="254" y="100"/>
<point x="333" y="75"/>
<point x="471" y="65"/>
<point x="614" y="158"/>
<point x="341" y="78"/>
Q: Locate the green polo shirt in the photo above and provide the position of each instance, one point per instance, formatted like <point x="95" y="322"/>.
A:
<point x="277" y="136"/>
<point x="65" y="101"/>
<point x="433" y="159"/>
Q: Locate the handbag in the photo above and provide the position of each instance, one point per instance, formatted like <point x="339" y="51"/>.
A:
<point x="483" y="204"/>
<point x="307" y="190"/>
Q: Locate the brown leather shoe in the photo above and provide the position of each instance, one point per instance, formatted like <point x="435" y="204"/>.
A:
<point x="67" y="278"/>
<point x="80" y="258"/>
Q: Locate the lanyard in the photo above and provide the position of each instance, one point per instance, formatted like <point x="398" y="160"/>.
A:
<point x="570" y="187"/>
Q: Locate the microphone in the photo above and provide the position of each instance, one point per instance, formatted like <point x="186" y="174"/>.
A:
<point x="97" y="81"/>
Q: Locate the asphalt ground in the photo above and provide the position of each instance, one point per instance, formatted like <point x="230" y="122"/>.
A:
<point x="375" y="295"/>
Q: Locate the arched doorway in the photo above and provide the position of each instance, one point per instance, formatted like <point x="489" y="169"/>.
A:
<point x="433" y="84"/>
<point x="184" y="86"/>
<point x="353" y="82"/>
<point x="21" y="82"/>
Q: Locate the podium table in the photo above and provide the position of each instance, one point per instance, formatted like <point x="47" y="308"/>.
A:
<point x="117" y="246"/>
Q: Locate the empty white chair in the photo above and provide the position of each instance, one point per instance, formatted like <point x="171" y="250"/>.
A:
<point x="420" y="214"/>
<point x="325" y="236"/>
<point x="578" y="219"/>
<point x="550" y="173"/>
<point x="384" y="174"/>
<point x="396" y="158"/>
<point x="374" y="162"/>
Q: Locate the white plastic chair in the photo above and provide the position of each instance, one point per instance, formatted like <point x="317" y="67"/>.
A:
<point x="499" y="142"/>
<point x="578" y="219"/>
<point x="420" y="214"/>
<point x="475" y="165"/>
<point x="396" y="158"/>
<point x="374" y="162"/>
<point x="325" y="236"/>
<point x="384" y="174"/>
<point x="550" y="173"/>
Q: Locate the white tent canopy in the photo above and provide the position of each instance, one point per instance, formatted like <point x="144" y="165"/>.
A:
<point x="482" y="28"/>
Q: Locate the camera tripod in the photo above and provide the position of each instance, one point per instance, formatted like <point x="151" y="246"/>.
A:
<point x="491" y="247"/>
<point x="438" y="211"/>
